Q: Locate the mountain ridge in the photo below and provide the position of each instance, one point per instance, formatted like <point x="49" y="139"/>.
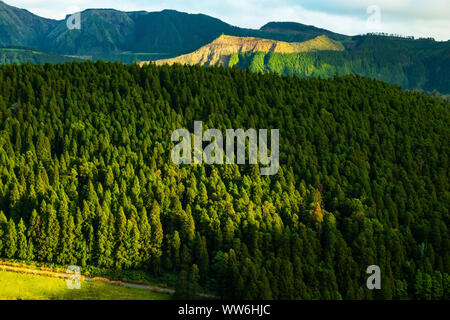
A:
<point x="106" y="31"/>
<point x="296" y="29"/>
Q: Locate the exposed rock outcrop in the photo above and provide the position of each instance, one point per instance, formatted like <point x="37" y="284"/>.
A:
<point x="219" y="51"/>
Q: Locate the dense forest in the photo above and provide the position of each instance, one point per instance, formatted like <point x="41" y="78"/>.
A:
<point x="86" y="179"/>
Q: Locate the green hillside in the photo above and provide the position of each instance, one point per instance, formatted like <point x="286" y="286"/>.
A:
<point x="86" y="178"/>
<point x="223" y="50"/>
<point x="420" y="64"/>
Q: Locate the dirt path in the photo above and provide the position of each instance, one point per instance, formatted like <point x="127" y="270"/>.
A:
<point x="146" y="287"/>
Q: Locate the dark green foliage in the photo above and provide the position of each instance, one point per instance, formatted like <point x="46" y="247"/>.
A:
<point x="85" y="164"/>
<point x="10" y="239"/>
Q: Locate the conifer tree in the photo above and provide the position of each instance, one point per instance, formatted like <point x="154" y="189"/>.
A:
<point x="317" y="213"/>
<point x="10" y="239"/>
<point x="132" y="244"/>
<point x="120" y="255"/>
<point x="103" y="253"/>
<point x="156" y="229"/>
<point x="3" y="229"/>
<point x="66" y="243"/>
<point x="52" y="233"/>
<point x="30" y="251"/>
<point x="22" y="247"/>
<point x="145" y="237"/>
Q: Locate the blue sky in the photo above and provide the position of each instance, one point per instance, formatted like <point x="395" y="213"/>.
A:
<point x="421" y="18"/>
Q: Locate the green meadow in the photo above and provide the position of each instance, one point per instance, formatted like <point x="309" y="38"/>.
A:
<point x="18" y="286"/>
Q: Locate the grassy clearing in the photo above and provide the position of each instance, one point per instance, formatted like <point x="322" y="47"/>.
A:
<point x="17" y="286"/>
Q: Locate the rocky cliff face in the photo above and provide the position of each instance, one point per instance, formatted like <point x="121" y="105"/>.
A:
<point x="219" y="51"/>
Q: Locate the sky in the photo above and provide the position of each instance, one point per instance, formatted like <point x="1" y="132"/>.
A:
<point x="419" y="18"/>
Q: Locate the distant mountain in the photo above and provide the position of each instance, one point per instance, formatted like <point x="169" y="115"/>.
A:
<point x="221" y="50"/>
<point x="108" y="33"/>
<point x="102" y="31"/>
<point x="172" y="31"/>
<point x="111" y="32"/>
<point x="19" y="27"/>
<point x="293" y="31"/>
